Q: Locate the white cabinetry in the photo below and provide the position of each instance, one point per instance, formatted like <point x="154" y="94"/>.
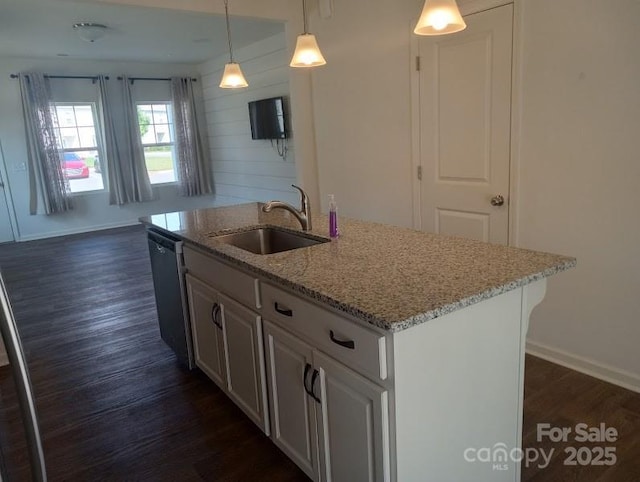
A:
<point x="208" y="343"/>
<point x="227" y="336"/>
<point x="243" y="348"/>
<point x="292" y="409"/>
<point x="350" y="402"/>
<point x="332" y="421"/>
<point x="353" y="424"/>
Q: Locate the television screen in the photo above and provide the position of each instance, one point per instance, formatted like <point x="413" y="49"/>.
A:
<point x="268" y="119"/>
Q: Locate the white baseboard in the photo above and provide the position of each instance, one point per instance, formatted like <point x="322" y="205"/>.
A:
<point x="84" y="229"/>
<point x="623" y="378"/>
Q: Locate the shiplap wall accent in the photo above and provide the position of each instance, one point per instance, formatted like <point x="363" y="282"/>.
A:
<point x="246" y="169"/>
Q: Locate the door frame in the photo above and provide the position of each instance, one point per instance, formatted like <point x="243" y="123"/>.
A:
<point x="11" y="210"/>
<point x="469" y="8"/>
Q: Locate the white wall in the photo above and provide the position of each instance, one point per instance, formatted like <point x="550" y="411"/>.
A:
<point x="362" y="109"/>
<point x="580" y="174"/>
<point x="92" y="210"/>
<point x="579" y="169"/>
<point x="245" y="169"/>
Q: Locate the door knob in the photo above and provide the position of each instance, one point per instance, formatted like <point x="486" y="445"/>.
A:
<point x="497" y="200"/>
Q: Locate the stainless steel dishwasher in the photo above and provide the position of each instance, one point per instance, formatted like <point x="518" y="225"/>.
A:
<point x="167" y="265"/>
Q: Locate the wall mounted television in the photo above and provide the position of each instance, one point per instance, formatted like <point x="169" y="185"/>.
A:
<point x="268" y="118"/>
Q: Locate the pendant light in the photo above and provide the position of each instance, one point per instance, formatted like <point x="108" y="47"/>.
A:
<point x="307" y="52"/>
<point x="232" y="77"/>
<point x="440" y="17"/>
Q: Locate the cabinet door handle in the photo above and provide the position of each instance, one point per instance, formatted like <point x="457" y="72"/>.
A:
<point x="215" y="309"/>
<point x="350" y="344"/>
<point x="313" y="386"/>
<point x="307" y="367"/>
<point x="282" y="311"/>
<point x="218" y="312"/>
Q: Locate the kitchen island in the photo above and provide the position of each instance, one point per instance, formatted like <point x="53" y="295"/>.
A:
<point x="386" y="354"/>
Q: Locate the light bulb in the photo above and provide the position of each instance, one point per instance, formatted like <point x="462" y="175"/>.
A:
<point x="307" y="57"/>
<point x="439" y="20"/>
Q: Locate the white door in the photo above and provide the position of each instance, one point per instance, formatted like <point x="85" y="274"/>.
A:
<point x="244" y="352"/>
<point x="292" y="409"/>
<point x="353" y="424"/>
<point x="465" y="119"/>
<point x="206" y="327"/>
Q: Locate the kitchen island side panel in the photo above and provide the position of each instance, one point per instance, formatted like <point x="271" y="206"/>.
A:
<point x="458" y="390"/>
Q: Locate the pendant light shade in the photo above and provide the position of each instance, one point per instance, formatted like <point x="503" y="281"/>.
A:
<point x="232" y="78"/>
<point x="307" y="52"/>
<point x="440" y="17"/>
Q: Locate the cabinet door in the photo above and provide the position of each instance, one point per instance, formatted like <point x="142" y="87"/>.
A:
<point x="353" y="424"/>
<point x="242" y="329"/>
<point x="292" y="410"/>
<point x="206" y="328"/>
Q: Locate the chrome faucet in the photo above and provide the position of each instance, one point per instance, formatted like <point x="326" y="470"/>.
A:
<point x="303" y="215"/>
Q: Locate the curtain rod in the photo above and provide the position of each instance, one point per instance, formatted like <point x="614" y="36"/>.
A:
<point x="95" y="77"/>
<point x="90" y="77"/>
<point x="152" y="78"/>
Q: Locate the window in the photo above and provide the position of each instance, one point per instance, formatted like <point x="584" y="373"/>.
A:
<point x="76" y="135"/>
<point x="157" y="134"/>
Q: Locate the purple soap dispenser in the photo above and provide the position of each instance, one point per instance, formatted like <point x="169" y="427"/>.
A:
<point x="333" y="217"/>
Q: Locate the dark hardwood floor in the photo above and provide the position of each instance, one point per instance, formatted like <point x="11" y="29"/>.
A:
<point x="114" y="405"/>
<point x="564" y="398"/>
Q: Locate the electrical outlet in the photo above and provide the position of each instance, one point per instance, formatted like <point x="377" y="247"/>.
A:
<point x="20" y="167"/>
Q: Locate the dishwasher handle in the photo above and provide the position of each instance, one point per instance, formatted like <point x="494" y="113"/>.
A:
<point x="163" y="241"/>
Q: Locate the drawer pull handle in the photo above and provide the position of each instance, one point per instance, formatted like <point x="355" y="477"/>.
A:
<point x="350" y="344"/>
<point x="282" y="311"/>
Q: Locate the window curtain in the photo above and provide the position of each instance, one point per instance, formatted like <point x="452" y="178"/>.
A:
<point x="126" y="168"/>
<point x="193" y="166"/>
<point x="45" y="157"/>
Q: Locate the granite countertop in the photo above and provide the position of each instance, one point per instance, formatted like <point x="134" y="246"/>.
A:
<point x="388" y="276"/>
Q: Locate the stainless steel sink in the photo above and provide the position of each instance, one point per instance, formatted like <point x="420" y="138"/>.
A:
<point x="269" y="240"/>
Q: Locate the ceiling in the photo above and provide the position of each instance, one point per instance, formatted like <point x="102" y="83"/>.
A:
<point x="43" y="29"/>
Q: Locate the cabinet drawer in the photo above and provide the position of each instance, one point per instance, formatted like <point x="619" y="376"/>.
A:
<point x="354" y="345"/>
<point x="230" y="281"/>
